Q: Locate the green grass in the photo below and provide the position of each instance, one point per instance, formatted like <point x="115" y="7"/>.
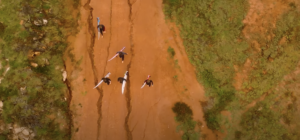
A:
<point x="2" y="137"/>
<point x="171" y="52"/>
<point x="212" y="35"/>
<point x="45" y="89"/>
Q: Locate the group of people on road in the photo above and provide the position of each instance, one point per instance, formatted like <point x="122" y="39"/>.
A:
<point x="121" y="54"/>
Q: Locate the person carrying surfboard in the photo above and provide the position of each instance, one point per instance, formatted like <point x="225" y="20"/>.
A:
<point x="101" y="29"/>
<point x="121" y="55"/>
<point x="148" y="82"/>
<point x="121" y="79"/>
<point x="106" y="80"/>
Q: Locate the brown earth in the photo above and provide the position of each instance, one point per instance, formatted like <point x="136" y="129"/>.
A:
<point x="104" y="113"/>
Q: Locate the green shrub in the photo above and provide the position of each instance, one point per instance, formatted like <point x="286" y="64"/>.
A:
<point x="184" y="117"/>
<point x="171" y="52"/>
<point x="182" y="111"/>
<point x="2" y="137"/>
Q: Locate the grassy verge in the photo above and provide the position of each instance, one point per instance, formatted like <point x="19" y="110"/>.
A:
<point x="213" y="38"/>
<point x="186" y="124"/>
<point x="33" y="93"/>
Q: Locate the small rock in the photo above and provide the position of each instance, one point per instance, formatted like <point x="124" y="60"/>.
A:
<point x="25" y="132"/>
<point x="32" y="135"/>
<point x="46" y="61"/>
<point x="64" y="74"/>
<point x="7" y="69"/>
<point x="2" y="127"/>
<point x="37" y="53"/>
<point x="56" y="67"/>
<point x="18" y="130"/>
<point x="37" y="22"/>
<point x="9" y="126"/>
<point x="45" y="21"/>
<point x="23" y="137"/>
<point x="23" y="90"/>
<point x="34" y="64"/>
<point x="1" y="104"/>
<point x="15" y="137"/>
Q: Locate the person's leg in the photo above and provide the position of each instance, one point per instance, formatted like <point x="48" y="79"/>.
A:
<point x="122" y="58"/>
<point x="101" y="31"/>
<point x="104" y="29"/>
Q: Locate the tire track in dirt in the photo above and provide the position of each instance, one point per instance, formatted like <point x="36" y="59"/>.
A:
<point x="91" y="56"/>
<point x="127" y="95"/>
<point x="99" y="103"/>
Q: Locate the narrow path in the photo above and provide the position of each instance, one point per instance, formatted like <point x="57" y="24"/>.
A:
<point x="127" y="95"/>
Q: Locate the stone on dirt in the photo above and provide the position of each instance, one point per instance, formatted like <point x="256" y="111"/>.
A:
<point x="64" y="74"/>
<point x="25" y="132"/>
<point x="37" y="53"/>
<point x="1" y="105"/>
<point x="37" y="22"/>
<point x="45" y="21"/>
<point x="18" y="130"/>
<point x="34" y="64"/>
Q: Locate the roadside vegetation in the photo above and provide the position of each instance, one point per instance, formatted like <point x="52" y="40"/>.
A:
<point x="186" y="123"/>
<point x="212" y="35"/>
<point x="33" y="38"/>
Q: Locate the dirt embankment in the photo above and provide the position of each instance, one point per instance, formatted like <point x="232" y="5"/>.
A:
<point x="105" y="113"/>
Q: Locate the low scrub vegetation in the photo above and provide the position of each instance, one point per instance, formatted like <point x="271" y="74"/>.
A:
<point x="33" y="37"/>
<point x="213" y="38"/>
<point x="186" y="124"/>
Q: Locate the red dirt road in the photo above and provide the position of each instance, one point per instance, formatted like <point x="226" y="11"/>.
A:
<point x="138" y="114"/>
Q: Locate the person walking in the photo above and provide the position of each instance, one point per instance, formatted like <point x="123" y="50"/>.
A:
<point x="121" y="79"/>
<point x="106" y="80"/>
<point x="148" y="82"/>
<point x="122" y="55"/>
<point x="100" y="27"/>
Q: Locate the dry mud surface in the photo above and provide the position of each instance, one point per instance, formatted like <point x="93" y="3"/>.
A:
<point x="106" y="114"/>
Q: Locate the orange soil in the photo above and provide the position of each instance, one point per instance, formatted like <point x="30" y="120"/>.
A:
<point x="138" y="114"/>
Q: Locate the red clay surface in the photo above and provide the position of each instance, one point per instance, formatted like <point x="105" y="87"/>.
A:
<point x="138" y="114"/>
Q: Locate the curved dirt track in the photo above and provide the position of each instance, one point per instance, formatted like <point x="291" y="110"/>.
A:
<point x="104" y="113"/>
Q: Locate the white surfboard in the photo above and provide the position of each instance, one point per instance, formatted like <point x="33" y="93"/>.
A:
<point x="98" y="22"/>
<point x="124" y="82"/>
<point x="116" y="54"/>
<point x="143" y="85"/>
<point x="107" y="75"/>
